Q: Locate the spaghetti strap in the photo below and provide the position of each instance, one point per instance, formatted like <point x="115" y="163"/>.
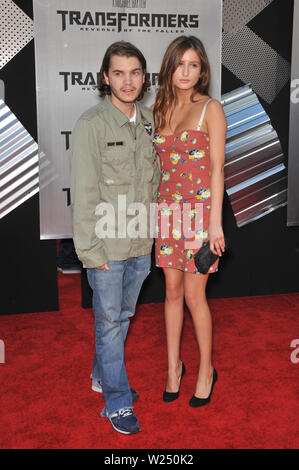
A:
<point x="203" y="114"/>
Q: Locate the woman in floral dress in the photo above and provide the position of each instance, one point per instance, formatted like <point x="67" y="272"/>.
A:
<point x="190" y="140"/>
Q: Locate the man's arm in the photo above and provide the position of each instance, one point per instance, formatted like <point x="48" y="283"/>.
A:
<point x="157" y="172"/>
<point x="85" y="196"/>
<point x="156" y="179"/>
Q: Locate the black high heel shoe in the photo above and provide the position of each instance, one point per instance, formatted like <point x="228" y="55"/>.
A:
<point x="195" y="402"/>
<point x="171" y="396"/>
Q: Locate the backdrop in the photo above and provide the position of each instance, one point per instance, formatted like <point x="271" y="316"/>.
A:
<point x="71" y="38"/>
<point x="264" y="255"/>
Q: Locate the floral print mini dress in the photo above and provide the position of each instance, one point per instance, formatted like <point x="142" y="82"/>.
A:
<point x="184" y="198"/>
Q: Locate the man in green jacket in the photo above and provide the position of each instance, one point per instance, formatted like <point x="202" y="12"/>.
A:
<point x="114" y="174"/>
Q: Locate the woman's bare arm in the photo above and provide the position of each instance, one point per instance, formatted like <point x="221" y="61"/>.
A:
<point x="217" y="127"/>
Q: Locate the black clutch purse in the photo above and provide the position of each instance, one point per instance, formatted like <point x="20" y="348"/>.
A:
<point x="204" y="257"/>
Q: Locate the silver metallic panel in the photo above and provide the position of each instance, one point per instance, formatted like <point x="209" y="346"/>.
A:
<point x="293" y="162"/>
<point x="255" y="174"/>
<point x="2" y="90"/>
<point x="16" y="30"/>
<point x="248" y="207"/>
<point x="18" y="162"/>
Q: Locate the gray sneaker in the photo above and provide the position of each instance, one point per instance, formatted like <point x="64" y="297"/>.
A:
<point x="97" y="387"/>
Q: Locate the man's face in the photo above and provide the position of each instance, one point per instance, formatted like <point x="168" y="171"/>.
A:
<point x="126" y="78"/>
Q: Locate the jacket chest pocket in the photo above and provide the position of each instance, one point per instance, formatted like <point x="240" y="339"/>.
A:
<point x="116" y="170"/>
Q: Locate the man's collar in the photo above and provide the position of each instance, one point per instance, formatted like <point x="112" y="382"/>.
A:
<point x="118" y="115"/>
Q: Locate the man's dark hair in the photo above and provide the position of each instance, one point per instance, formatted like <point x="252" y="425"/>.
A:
<point x="124" y="49"/>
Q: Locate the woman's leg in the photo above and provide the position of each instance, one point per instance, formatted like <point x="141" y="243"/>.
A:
<point x="195" y="296"/>
<point x="174" y="314"/>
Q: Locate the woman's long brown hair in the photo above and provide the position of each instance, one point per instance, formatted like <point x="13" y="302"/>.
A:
<point x="166" y="96"/>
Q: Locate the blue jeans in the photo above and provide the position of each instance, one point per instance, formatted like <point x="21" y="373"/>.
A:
<point x="115" y="294"/>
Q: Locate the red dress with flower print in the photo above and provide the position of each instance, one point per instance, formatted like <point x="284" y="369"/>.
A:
<point x="183" y="199"/>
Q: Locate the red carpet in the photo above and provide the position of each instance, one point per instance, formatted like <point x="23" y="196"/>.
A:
<point x="46" y="401"/>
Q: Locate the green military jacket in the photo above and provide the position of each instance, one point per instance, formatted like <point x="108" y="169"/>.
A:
<point x="113" y="165"/>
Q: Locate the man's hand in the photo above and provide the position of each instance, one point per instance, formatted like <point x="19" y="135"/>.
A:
<point x="104" y="266"/>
